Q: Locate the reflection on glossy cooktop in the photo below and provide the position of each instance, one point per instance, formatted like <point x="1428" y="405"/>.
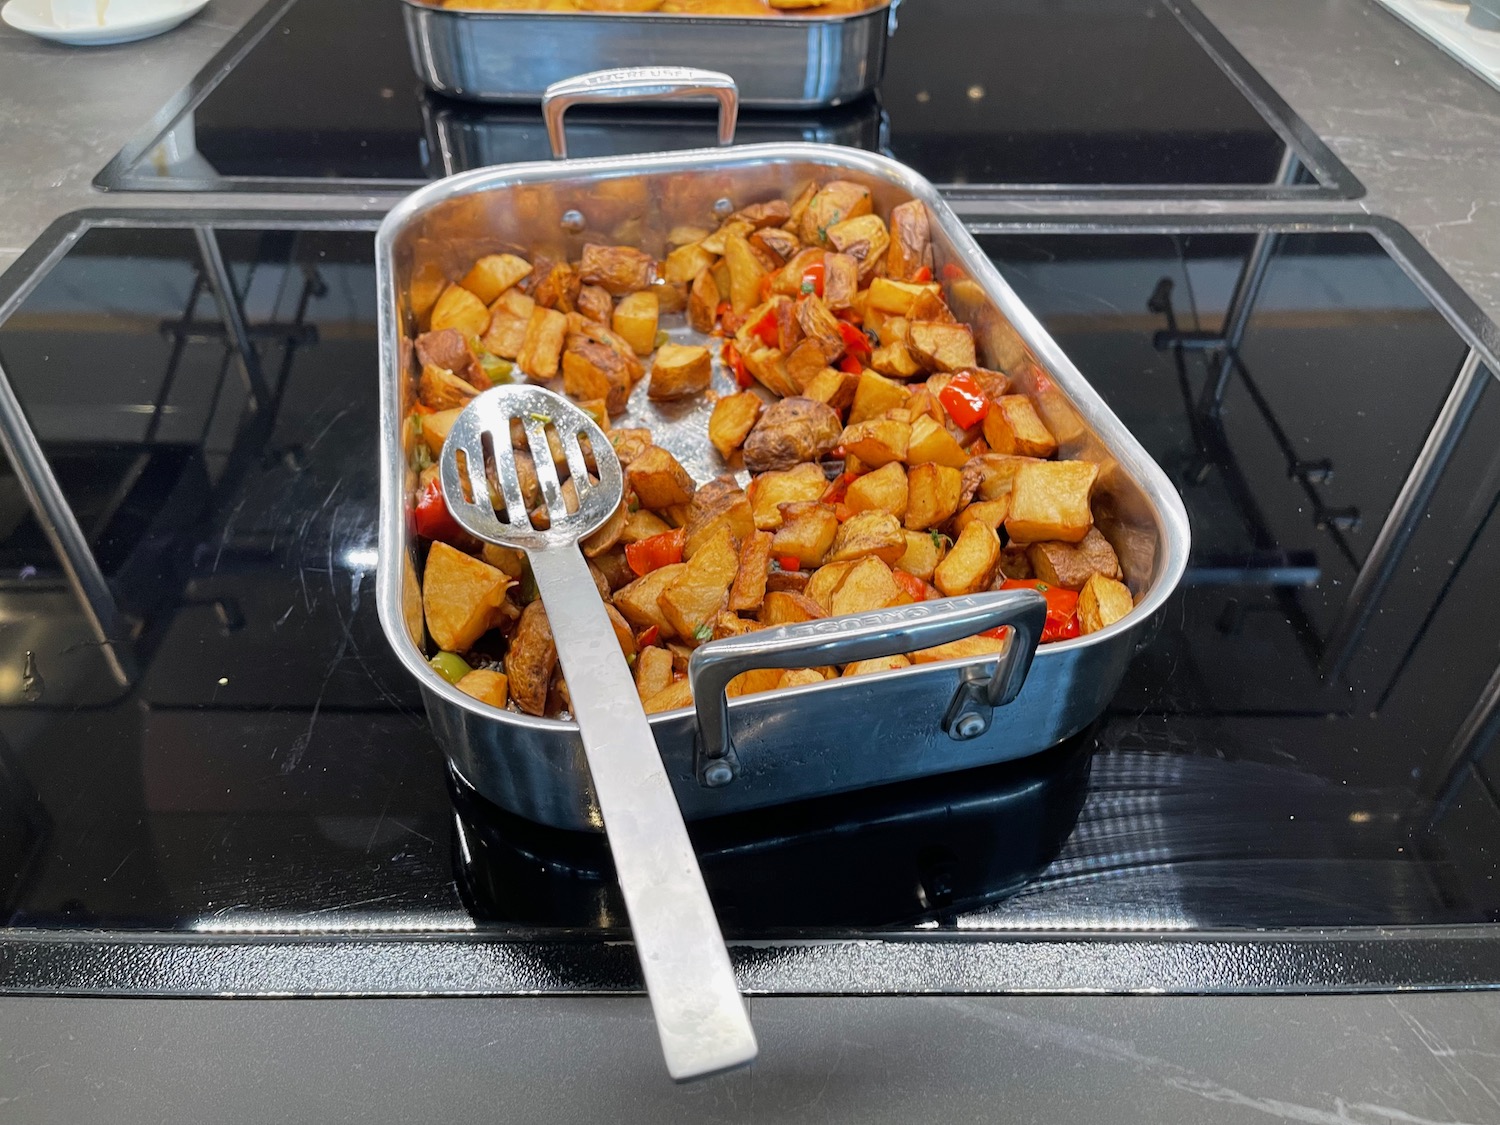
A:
<point x="1304" y="742"/>
<point x="977" y="92"/>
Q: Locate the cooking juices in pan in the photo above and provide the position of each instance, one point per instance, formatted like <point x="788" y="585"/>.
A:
<point x="885" y="464"/>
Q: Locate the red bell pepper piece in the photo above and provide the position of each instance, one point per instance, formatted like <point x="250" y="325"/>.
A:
<point x="655" y="552"/>
<point x="964" y="400"/>
<point x="736" y="363"/>
<point x="765" y="329"/>
<point x="1062" y="608"/>
<point x="648" y="636"/>
<point x="911" y="584"/>
<point x="856" y="343"/>
<point x="838" y="488"/>
<point x="433" y="519"/>
<point x="850" y="365"/>
<point x="812" y="278"/>
<point x="789" y="562"/>
<point x="922" y="276"/>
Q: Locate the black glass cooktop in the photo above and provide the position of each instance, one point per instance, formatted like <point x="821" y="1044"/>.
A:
<point x="979" y="96"/>
<point x="1305" y="742"/>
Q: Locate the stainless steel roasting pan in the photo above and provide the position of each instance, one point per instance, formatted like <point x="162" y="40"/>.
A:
<point x="778" y="62"/>
<point x="840" y="735"/>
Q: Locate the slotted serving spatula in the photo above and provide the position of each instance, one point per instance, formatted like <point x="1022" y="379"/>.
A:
<point x="700" y="1016"/>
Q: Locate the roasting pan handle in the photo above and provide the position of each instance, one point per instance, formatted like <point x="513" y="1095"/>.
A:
<point x="866" y="636"/>
<point x="638" y="84"/>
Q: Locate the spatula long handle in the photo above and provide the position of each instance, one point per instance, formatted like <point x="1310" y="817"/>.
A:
<point x="700" y="1015"/>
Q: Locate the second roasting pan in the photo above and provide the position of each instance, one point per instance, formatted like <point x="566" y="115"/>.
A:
<point x="840" y="735"/>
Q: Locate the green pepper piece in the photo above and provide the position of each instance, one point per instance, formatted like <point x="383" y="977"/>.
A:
<point x="450" y="666"/>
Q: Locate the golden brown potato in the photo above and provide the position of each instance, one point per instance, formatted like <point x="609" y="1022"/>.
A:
<point x="785" y="607"/>
<point x="542" y="347"/>
<point x="840" y="281"/>
<point x="965" y="649"/>
<point x="1050" y="500"/>
<point x="608" y="533"/>
<point x="877" y="441"/>
<point x="745" y="272"/>
<point x="883" y="490"/>
<point x="991" y="513"/>
<point x="696" y="596"/>
<point x="825" y="581"/>
<point x="770" y="490"/>
<point x="931" y="307"/>
<point x="771" y="213"/>
<point x="730" y="228"/>
<point x="629" y="443"/>
<point x="804" y="363"/>
<point x="895" y="359"/>
<point x="459" y="309"/>
<point x="787" y="281"/>
<point x="755" y="680"/>
<point x="642" y="524"/>
<point x="593" y="370"/>
<point x="806" y="532"/>
<point x="1013" y="564"/>
<point x="719" y="503"/>
<point x="435" y="427"/>
<point x="931" y="442"/>
<point x="487" y="686"/>
<point x="461" y="597"/>
<point x="768" y="365"/>
<point x="639" y="600"/>
<point x="596" y="304"/>
<point x="834" y="202"/>
<point x="653" y="671"/>
<point x="932" y="495"/>
<point x="531" y="659"/>
<point x="1013" y="426"/>
<point x="675" y="695"/>
<point x="506" y="334"/>
<point x="868" y="586"/>
<point x="780" y="244"/>
<point x="970" y="565"/>
<point x="581" y="328"/>
<point x="797" y="677"/>
<point x="924" y="550"/>
<point x="733" y="625"/>
<point x="617" y="269"/>
<point x="679" y="371"/>
<point x="749" y="588"/>
<point x="877" y="664"/>
<point x="493" y="274"/>
<point x="896" y="297"/>
<point x="1071" y="565"/>
<point x="911" y="240"/>
<point x="635" y="320"/>
<point x="555" y="285"/>
<point x="941" y="347"/>
<point x="833" y="387"/>
<point x="440" y="389"/>
<point x="687" y="262"/>
<point x="1102" y="602"/>
<point x="513" y="303"/>
<point x="873" y="532"/>
<point x="733" y="418"/>
<point x="864" y="239"/>
<point x="449" y="350"/>
<point x="790" y="431"/>
<point x="874" y="395"/>
<point x="703" y="303"/>
<point x="991" y="475"/>
<point x="659" y="480"/>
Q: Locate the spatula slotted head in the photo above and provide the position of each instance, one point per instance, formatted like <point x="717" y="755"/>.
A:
<point x="481" y="443"/>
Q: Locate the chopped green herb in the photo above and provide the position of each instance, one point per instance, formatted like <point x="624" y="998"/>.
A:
<point x="496" y="369"/>
<point x="630" y="660"/>
<point x="937" y="539"/>
<point x="703" y="632"/>
<point x="808" y="287"/>
<point x="538" y="416"/>
<point x="529" y="591"/>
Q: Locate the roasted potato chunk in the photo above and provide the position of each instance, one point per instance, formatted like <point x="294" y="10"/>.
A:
<point x="749" y="588"/>
<point x="877" y="441"/>
<point x="932" y="495"/>
<point x="796" y="677"/>
<point x="825" y="583"/>
<point x="487" y="686"/>
<point x="991" y="475"/>
<point x="1071" y="565"/>
<point x="873" y="532"/>
<point x="895" y="297"/>
<point x="771" y="490"/>
<point x="449" y="350"/>
<point x="840" y="281"/>
<point x="864" y="239"/>
<point x="1050" y="500"/>
<point x="435" y="427"/>
<point x="834" y="202"/>
<point x="697" y="594"/>
<point x="687" y="262"/>
<point x="659" y="480"/>
<point x="970" y="565"/>
<point x="931" y="442"/>
<point x="440" y="389"/>
<point x="877" y="664"/>
<point x="594" y="371"/>
<point x="459" y="309"/>
<point x="868" y="586"/>
<point x="555" y="285"/>
<point x="531" y="659"/>
<point x="733" y="418"/>
<point x="718" y="504"/>
<point x="924" y="550"/>
<point x="883" y="490"/>
<point x="617" y="269"/>
<point x="675" y="695"/>
<point x="745" y="272"/>
<point x="1013" y="426"/>
<point x="911" y="240"/>
<point x="785" y="607"/>
<point x="607" y="534"/>
<point x="806" y="532"/>
<point x="703" y="302"/>
<point x="541" y="349"/>
<point x="506" y="334"/>
<point x="941" y="347"/>
<point x="991" y="513"/>
<point x="635" y="320"/>
<point x="793" y="430"/>
<point x="596" y="304"/>
<point x="680" y="371"/>
<point x="493" y="274"/>
<point x="653" y="671"/>
<point x="461" y="597"/>
<point x="874" y="395"/>
<point x="639" y="600"/>
<point x="1101" y="602"/>
<point x="965" y="649"/>
<point x="833" y="387"/>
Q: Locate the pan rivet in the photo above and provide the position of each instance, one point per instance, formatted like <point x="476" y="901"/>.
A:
<point x="723" y="208"/>
<point x="572" y="221"/>
<point x="969" y="725"/>
<point x="717" y="774"/>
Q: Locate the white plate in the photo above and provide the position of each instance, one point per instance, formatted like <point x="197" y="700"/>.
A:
<point x="125" y="21"/>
